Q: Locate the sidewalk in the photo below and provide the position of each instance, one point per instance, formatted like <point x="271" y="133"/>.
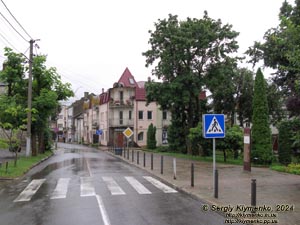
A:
<point x="273" y="188"/>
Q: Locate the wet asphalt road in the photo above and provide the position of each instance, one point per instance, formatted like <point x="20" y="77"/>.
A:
<point x="81" y="185"/>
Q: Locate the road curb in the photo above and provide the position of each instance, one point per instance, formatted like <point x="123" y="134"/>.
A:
<point x="34" y="165"/>
<point x="194" y="196"/>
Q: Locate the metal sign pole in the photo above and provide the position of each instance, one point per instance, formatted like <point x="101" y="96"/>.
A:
<point x="214" y="161"/>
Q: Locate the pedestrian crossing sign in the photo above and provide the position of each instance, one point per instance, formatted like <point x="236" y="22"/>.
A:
<point x="213" y="126"/>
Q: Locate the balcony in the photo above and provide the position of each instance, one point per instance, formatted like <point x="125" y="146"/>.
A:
<point x="121" y="103"/>
<point x="116" y="122"/>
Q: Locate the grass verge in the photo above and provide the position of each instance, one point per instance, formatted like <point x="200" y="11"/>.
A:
<point x="219" y="157"/>
<point x="292" y="168"/>
<point x="23" y="165"/>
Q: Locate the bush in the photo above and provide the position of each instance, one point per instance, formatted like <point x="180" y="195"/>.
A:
<point x="151" y="139"/>
<point x="199" y="144"/>
<point x="292" y="168"/>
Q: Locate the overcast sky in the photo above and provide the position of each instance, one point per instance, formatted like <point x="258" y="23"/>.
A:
<point x="91" y="42"/>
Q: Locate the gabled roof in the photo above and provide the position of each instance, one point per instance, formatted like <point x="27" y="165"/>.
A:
<point x="104" y="98"/>
<point x="127" y="79"/>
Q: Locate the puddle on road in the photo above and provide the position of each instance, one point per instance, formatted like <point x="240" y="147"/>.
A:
<point x="78" y="164"/>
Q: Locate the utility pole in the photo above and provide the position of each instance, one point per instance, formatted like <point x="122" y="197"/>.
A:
<point x="28" y="137"/>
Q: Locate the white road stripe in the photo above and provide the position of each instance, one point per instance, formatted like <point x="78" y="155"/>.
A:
<point x="160" y="185"/>
<point x="30" y="190"/>
<point x="103" y="212"/>
<point x="113" y="187"/>
<point x="61" y="189"/>
<point x="86" y="187"/>
<point x="141" y="189"/>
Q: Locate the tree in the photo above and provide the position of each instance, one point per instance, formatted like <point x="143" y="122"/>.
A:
<point x="12" y="103"/>
<point x="151" y="139"/>
<point x="244" y="95"/>
<point x="281" y="52"/>
<point x="232" y="90"/>
<point x="183" y="52"/>
<point x="47" y="91"/>
<point x="261" y="132"/>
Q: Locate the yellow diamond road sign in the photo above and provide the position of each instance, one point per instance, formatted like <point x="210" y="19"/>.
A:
<point x="128" y="132"/>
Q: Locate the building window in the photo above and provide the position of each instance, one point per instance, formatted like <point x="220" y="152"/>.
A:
<point x="165" y="115"/>
<point x="121" y="96"/>
<point x="130" y="115"/>
<point x="131" y="81"/>
<point x="149" y="115"/>
<point x="141" y="136"/>
<point x="121" y="117"/>
<point x="141" y="115"/>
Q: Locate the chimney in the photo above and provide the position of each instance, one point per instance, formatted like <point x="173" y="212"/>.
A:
<point x="102" y="90"/>
<point x="86" y="94"/>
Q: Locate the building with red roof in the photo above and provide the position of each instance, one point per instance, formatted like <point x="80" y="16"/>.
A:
<point x="120" y="107"/>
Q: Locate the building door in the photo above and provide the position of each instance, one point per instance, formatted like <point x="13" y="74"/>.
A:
<point x="120" y="139"/>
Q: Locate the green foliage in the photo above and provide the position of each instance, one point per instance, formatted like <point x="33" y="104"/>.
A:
<point x="292" y="168"/>
<point x="24" y="164"/>
<point x="261" y="133"/>
<point x="288" y="140"/>
<point x="200" y="145"/>
<point x="48" y="140"/>
<point x="47" y="91"/>
<point x="151" y="139"/>
<point x="234" y="139"/>
<point x="281" y="51"/>
<point x="244" y="95"/>
<point x="184" y="51"/>
<point x="285" y="142"/>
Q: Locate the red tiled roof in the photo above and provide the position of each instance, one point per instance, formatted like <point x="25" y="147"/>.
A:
<point x="127" y="79"/>
<point x="104" y="98"/>
<point x="140" y="94"/>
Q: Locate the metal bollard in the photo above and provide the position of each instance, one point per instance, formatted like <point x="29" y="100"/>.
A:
<point x="128" y="154"/>
<point x="192" y="175"/>
<point x="138" y="157"/>
<point x="151" y="161"/>
<point x="144" y="159"/>
<point x="253" y="192"/>
<point x="161" y="164"/>
<point x="174" y="168"/>
<point x="132" y="155"/>
<point x="216" y="191"/>
<point x="6" y="167"/>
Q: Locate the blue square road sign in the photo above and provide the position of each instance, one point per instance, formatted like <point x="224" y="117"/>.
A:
<point x="213" y="126"/>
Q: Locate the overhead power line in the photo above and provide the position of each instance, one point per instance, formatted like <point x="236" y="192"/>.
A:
<point x="16" y="19"/>
<point x="9" y="43"/>
<point x="13" y="27"/>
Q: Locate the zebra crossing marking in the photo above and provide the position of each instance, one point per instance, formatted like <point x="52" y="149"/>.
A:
<point x="30" y="190"/>
<point x="160" y="185"/>
<point x="141" y="189"/>
<point x="87" y="187"/>
<point x="61" y="189"/>
<point x="113" y="187"/>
